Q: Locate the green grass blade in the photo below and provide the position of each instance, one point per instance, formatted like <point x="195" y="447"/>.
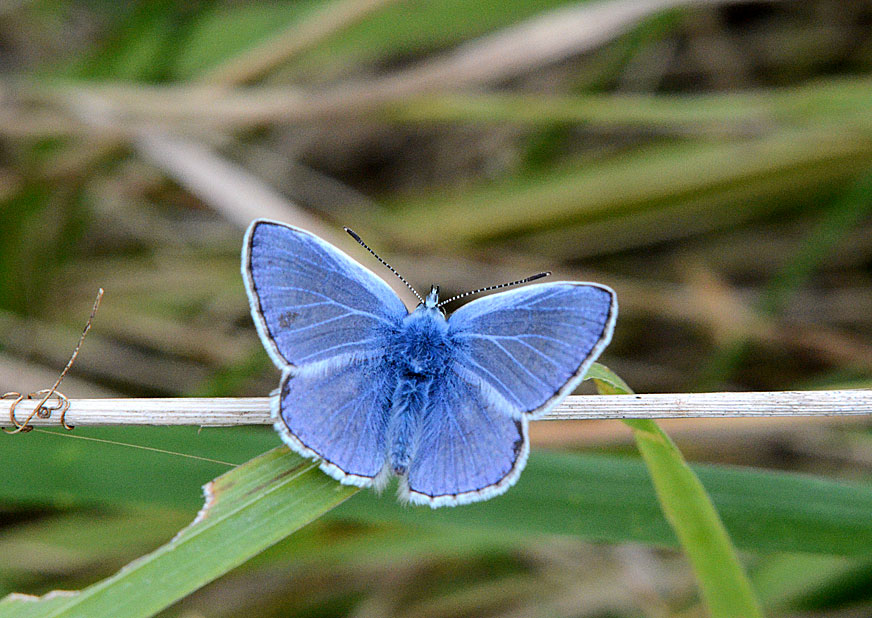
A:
<point x="789" y="581"/>
<point x="59" y="469"/>
<point x="612" y="499"/>
<point x="219" y="35"/>
<point x="578" y="203"/>
<point x="23" y="606"/>
<point x="247" y="510"/>
<point x="405" y="28"/>
<point x="689" y="510"/>
<point x="804" y="105"/>
<point x="590" y="496"/>
<point x="607" y="382"/>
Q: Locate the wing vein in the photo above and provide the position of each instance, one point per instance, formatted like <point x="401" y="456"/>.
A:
<point x="333" y="301"/>
<point x="496" y="380"/>
<point x="347" y="344"/>
<point x="517" y="362"/>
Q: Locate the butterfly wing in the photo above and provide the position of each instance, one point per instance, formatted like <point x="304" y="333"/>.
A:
<point x="325" y="321"/>
<point x="310" y="301"/>
<point x="339" y="417"/>
<point x="530" y="347"/>
<point x="468" y="448"/>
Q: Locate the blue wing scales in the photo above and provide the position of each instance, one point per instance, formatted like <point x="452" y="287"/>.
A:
<point x="531" y="346"/>
<point x="468" y="448"/>
<point x="310" y="301"/>
<point x="325" y="320"/>
<point x="339" y="416"/>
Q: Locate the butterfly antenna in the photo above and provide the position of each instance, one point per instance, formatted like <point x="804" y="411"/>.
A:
<point x="389" y="267"/>
<point x="496" y="287"/>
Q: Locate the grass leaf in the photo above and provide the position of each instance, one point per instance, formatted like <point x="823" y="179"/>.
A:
<point x="591" y="496"/>
<point x="690" y="512"/>
<point x="247" y="510"/>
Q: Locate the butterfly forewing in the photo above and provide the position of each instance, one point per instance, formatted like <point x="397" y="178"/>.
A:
<point x="531" y="346"/>
<point x="326" y="321"/>
<point x="311" y="302"/>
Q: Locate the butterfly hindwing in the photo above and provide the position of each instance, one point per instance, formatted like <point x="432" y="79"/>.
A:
<point x="339" y="416"/>
<point x="468" y="449"/>
<point x="531" y="346"/>
<point x="310" y="301"/>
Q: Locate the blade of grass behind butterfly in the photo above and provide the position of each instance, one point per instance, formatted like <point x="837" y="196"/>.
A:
<point x="840" y="217"/>
<point x="579" y="197"/>
<point x="724" y="586"/>
<point x="247" y="510"/>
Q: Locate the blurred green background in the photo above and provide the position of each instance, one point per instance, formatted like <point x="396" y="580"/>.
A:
<point x="711" y="161"/>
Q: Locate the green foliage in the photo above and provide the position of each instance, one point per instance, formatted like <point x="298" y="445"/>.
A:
<point x="226" y="31"/>
<point x="599" y="497"/>
<point x="690" y="512"/>
<point x="420" y="27"/>
<point x="839" y="219"/>
<point x="246" y="511"/>
<point x="678" y="185"/>
<point x="271" y="496"/>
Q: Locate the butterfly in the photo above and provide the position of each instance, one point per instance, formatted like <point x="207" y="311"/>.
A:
<point x="373" y="390"/>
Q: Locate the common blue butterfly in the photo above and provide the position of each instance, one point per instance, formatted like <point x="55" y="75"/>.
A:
<point x="373" y="390"/>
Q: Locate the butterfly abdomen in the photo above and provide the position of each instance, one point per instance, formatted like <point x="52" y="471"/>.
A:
<point x="410" y="398"/>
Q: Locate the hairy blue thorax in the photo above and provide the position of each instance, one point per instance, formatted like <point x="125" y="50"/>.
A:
<point x="421" y="345"/>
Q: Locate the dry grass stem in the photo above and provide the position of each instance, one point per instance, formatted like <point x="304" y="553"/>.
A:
<point x="227" y="411"/>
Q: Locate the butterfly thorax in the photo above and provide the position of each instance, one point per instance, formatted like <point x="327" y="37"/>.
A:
<point x="422" y="343"/>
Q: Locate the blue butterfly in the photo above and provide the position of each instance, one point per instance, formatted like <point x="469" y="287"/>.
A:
<point x="373" y="390"/>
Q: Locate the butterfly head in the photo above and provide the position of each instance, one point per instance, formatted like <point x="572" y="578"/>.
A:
<point x="432" y="300"/>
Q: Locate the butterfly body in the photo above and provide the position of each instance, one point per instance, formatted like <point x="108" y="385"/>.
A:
<point x="373" y="390"/>
<point x="421" y="353"/>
